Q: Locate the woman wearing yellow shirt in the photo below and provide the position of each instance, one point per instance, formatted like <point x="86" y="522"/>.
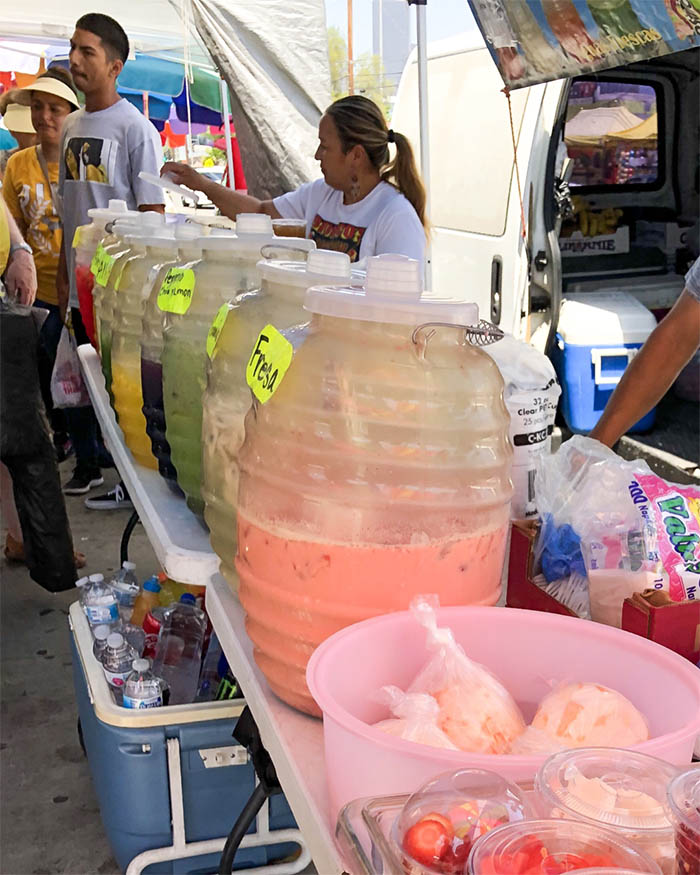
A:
<point x="29" y="185"/>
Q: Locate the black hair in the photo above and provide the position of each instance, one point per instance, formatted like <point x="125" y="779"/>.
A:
<point x="110" y="32"/>
<point x="61" y="75"/>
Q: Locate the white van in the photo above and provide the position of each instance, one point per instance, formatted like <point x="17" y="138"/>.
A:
<point x="477" y="249"/>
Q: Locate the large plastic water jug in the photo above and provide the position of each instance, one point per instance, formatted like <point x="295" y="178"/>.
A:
<point x="228" y="266"/>
<point x="379" y="470"/>
<point x="120" y="245"/>
<point x="84" y="245"/>
<point x="135" y="284"/>
<point x="280" y="301"/>
<point x="187" y="250"/>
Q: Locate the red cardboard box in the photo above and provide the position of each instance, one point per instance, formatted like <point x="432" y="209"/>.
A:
<point x="675" y="625"/>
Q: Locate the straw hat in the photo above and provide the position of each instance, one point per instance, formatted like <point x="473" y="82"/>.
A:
<point x="47" y="84"/>
<point x="18" y="118"/>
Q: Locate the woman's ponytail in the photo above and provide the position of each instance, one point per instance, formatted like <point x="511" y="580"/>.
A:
<point x="403" y="173"/>
<point x="359" y="121"/>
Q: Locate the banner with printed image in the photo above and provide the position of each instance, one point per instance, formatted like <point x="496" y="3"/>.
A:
<point x="537" y="40"/>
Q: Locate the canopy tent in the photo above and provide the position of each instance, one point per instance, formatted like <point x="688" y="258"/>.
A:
<point x="601" y="121"/>
<point x="273" y="56"/>
<point x="648" y="130"/>
<point x="639" y="131"/>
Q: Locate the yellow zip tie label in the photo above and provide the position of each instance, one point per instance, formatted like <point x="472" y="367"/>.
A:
<point x="176" y="291"/>
<point x="217" y="326"/>
<point x="272" y="356"/>
<point x="101" y="265"/>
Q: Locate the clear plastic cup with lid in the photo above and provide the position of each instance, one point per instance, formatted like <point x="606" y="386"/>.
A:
<point x="380" y="461"/>
<point x="441" y="821"/>
<point x="553" y="847"/>
<point x="613" y="788"/>
<point x="684" y="807"/>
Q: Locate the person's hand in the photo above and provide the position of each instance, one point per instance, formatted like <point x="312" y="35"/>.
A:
<point x="183" y="174"/>
<point x="20" y="277"/>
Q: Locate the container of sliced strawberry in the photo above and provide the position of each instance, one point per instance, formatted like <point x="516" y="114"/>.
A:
<point x="684" y="804"/>
<point x="554" y="847"/>
<point x="441" y="821"/>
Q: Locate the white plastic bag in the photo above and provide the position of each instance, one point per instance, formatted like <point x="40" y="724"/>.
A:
<point x="415" y="718"/>
<point x="67" y="384"/>
<point x="531" y="395"/>
<point x="477" y="713"/>
<point x="637" y="531"/>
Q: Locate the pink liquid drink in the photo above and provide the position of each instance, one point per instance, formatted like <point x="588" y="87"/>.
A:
<point x="298" y="593"/>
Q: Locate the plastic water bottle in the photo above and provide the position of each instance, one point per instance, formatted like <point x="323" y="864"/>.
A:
<point x="82" y="585"/>
<point x="117" y="662"/>
<point x="99" y="603"/>
<point x="179" y="651"/>
<point x="126" y="589"/>
<point x="102" y="633"/>
<point x="142" y="688"/>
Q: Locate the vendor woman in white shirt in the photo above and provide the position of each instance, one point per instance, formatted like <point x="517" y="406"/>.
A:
<point x="367" y="203"/>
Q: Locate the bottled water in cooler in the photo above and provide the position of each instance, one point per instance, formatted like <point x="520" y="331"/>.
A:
<point x="179" y="652"/>
<point x="126" y="589"/>
<point x="117" y="660"/>
<point x="99" y="646"/>
<point x="142" y="688"/>
<point x="98" y="601"/>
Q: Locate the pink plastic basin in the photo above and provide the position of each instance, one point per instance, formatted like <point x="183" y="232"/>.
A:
<point x="528" y="651"/>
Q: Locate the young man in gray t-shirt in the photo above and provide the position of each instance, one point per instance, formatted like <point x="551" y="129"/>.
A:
<point x="104" y="147"/>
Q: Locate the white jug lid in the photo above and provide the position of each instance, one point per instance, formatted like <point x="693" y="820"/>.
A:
<point x="321" y="266"/>
<point x="253" y="223"/>
<point x="393" y="293"/>
<point x="116" y="209"/>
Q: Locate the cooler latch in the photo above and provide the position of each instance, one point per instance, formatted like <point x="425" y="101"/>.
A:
<point x="216" y="757"/>
<point x="597" y="357"/>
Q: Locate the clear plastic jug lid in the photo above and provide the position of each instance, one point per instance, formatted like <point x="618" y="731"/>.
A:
<point x="188" y="232"/>
<point x="321" y="266"/>
<point x="116" y="209"/>
<point x="393" y="293"/>
<point x="253" y="223"/>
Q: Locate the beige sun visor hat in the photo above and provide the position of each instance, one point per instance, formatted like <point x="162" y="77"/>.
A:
<point x="18" y="118"/>
<point x="47" y="85"/>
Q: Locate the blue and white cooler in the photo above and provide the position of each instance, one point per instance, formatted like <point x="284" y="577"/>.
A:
<point x="172" y="781"/>
<point x="598" y="335"/>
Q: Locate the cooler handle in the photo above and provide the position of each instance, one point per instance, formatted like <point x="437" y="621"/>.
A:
<point x="597" y="356"/>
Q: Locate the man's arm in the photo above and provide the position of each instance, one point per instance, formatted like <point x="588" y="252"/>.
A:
<point x="652" y="371"/>
<point x="20" y="273"/>
<point x="230" y="202"/>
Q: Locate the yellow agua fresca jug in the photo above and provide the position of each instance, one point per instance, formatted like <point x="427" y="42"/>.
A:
<point x="378" y="470"/>
<point x="227" y="268"/>
<point x="279" y="301"/>
<point x="131" y="294"/>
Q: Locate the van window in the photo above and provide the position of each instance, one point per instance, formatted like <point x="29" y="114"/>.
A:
<point x="471" y="149"/>
<point x="612" y="132"/>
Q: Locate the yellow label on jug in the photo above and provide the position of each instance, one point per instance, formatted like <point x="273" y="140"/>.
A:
<point x="175" y="295"/>
<point x="217" y="326"/>
<point x="272" y="356"/>
<point x="101" y="265"/>
<point x="78" y="236"/>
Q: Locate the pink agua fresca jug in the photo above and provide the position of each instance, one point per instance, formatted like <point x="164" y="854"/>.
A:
<point x="379" y="470"/>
